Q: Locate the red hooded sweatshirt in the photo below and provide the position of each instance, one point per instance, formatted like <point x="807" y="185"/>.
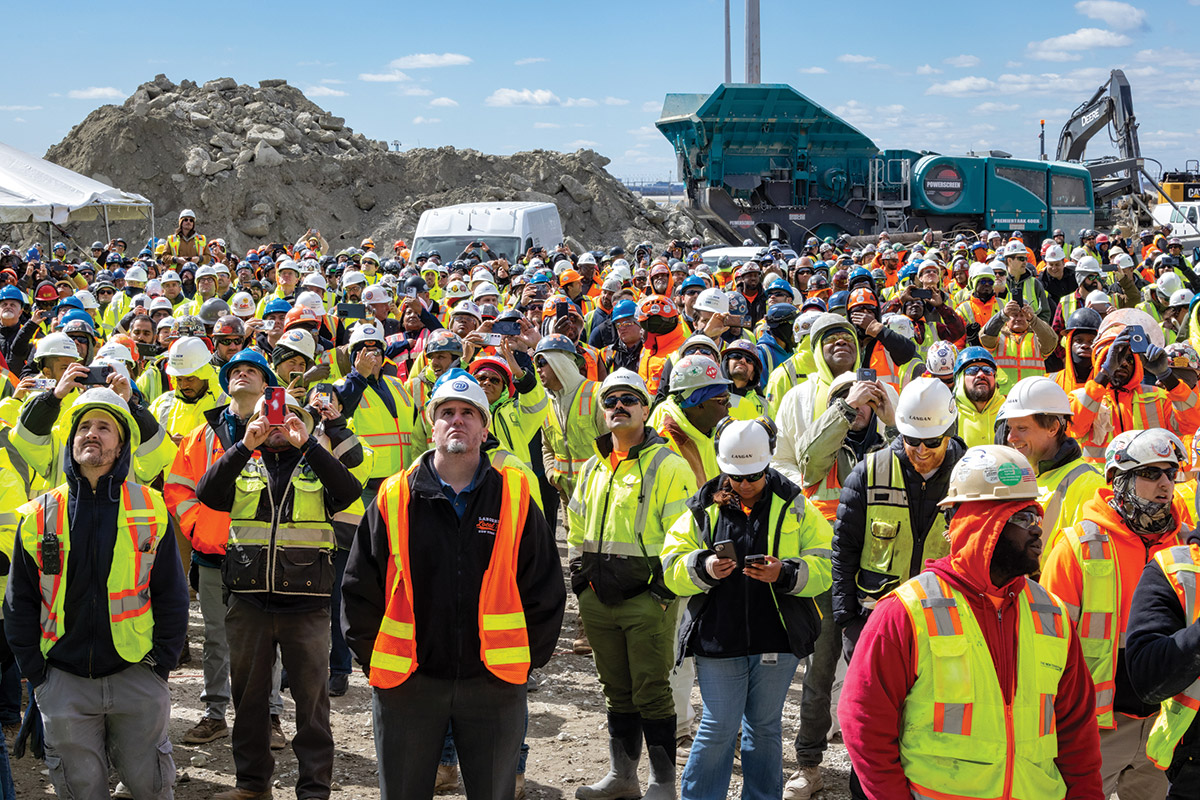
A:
<point x="881" y="674"/>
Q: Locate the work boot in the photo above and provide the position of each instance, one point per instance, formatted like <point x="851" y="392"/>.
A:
<point x="339" y="682"/>
<point x="278" y="740"/>
<point x="660" y="747"/>
<point x="804" y="783"/>
<point x="206" y="730"/>
<point x="624" y="751"/>
<point x="447" y="778"/>
<point x="581" y="646"/>
<point x="519" y="788"/>
<point x="243" y="794"/>
<point x="683" y="749"/>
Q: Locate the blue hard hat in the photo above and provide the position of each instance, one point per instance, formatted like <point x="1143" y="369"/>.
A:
<point x="77" y="315"/>
<point x="277" y="306"/>
<point x="972" y="354"/>
<point x="71" y="302"/>
<point x="625" y="309"/>
<point x="113" y="258"/>
<point x="556" y="342"/>
<point x="247" y="357"/>
<point x="908" y="272"/>
<point x="541" y="276"/>
<point x="693" y="282"/>
<point x="12" y="293"/>
<point x="252" y="257"/>
<point x="779" y="285"/>
<point x="781" y="313"/>
<point x="146" y="252"/>
<point x="815" y="304"/>
<point x="838" y="300"/>
<point x="860" y="274"/>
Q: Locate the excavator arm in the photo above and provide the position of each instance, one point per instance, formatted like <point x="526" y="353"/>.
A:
<point x="1111" y="104"/>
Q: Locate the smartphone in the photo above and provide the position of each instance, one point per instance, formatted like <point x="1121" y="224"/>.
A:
<point x="493" y="339"/>
<point x="147" y="350"/>
<point x="1137" y="339"/>
<point x="42" y="384"/>
<point x="756" y="561"/>
<point x="351" y="310"/>
<point x="268" y="325"/>
<point x="506" y="327"/>
<point x="865" y="375"/>
<point x="561" y="310"/>
<point x="324" y="392"/>
<point x="294" y="376"/>
<point x="725" y="549"/>
<point x="97" y="376"/>
<point x="922" y="294"/>
<point x="276" y="403"/>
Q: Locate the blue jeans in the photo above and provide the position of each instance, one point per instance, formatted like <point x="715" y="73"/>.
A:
<point x="340" y="658"/>
<point x="740" y="692"/>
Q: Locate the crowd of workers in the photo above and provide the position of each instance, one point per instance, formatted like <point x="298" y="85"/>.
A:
<point x="955" y="477"/>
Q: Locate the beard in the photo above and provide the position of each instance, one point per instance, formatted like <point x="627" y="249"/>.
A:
<point x="454" y="447"/>
<point x="1010" y="560"/>
<point x="978" y="394"/>
<point x="95" y="456"/>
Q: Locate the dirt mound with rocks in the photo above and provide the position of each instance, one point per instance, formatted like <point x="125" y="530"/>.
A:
<point x="266" y="163"/>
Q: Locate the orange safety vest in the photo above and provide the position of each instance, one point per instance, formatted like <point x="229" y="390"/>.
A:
<point x="825" y="494"/>
<point x="503" y="638"/>
<point x="1018" y="357"/>
<point x="885" y="368"/>
<point x="207" y="529"/>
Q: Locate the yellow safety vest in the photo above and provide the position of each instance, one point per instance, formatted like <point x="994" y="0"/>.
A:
<point x="388" y="436"/>
<point x="888" y="548"/>
<point x="1063" y="491"/>
<point x="141" y="523"/>
<point x="1099" y="615"/>
<point x="1017" y="358"/>
<point x="960" y="739"/>
<point x="1180" y="564"/>
<point x="571" y="440"/>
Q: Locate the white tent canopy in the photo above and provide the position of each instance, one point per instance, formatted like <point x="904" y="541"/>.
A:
<point x="34" y="190"/>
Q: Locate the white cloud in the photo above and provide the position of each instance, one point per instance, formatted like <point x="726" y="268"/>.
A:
<point x="995" y="108"/>
<point x="20" y="108"/>
<point x="615" y="101"/>
<point x="1170" y="55"/>
<point x="522" y="97"/>
<point x="331" y="81"/>
<point x="443" y="102"/>
<point x="962" y="87"/>
<point x="395" y="76"/>
<point x="324" y="91"/>
<point x="1076" y="81"/>
<point x="96" y="93"/>
<point x="926" y="69"/>
<point x="425" y="120"/>
<point x="546" y="125"/>
<point x="415" y="91"/>
<point x="652" y="105"/>
<point x="427" y="60"/>
<point x="521" y="62"/>
<point x="579" y="102"/>
<point x="1011" y="64"/>
<point x="813" y="71"/>
<point x="962" y="61"/>
<point x="578" y="143"/>
<point x="853" y="58"/>
<point x="19" y="119"/>
<point x="1112" y="13"/>
<point x="645" y="130"/>
<point x="1069" y="47"/>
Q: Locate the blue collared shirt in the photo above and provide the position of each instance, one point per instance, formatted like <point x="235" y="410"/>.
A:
<point x="459" y="500"/>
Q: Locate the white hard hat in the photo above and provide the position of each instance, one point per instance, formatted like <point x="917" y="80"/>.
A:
<point x="695" y="372"/>
<point x="136" y="275"/>
<point x="804" y="322"/>
<point x="456" y="290"/>
<point x="625" y="379"/>
<point x="206" y="272"/>
<point x="187" y="212"/>
<point x="926" y="409"/>
<point x="118" y="352"/>
<point x="154" y="287"/>
<point x="587" y="258"/>
<point x="929" y="264"/>
<point x="1015" y="249"/>
<point x="1097" y="298"/>
<point x="1123" y="261"/>
<point x="88" y="299"/>
<point x="287" y="263"/>
<point x="170" y="276"/>
<point x="484" y="290"/>
<point x="55" y="344"/>
<point x="366" y="332"/>
<point x="375" y="294"/>
<point x="1035" y="395"/>
<point x="1138" y="448"/>
<point x="165" y="322"/>
<point x="712" y="300"/>
<point x="940" y="358"/>
<point x="901" y="325"/>
<point x="242" y="305"/>
<point x="161" y="304"/>
<point x="311" y="300"/>
<point x="221" y="269"/>
<point x="622" y="273"/>
<point x="483" y="275"/>
<point x="1168" y="284"/>
<point x="744" y="446"/>
<point x="468" y="308"/>
<point x="316" y="280"/>
<point x="1182" y="297"/>
<point x="1086" y="264"/>
<point x="187" y="355"/>
<point x="620" y="263"/>
<point x="301" y="341"/>
<point x="979" y="269"/>
<point x="462" y="388"/>
<point x="353" y="278"/>
<point x="1055" y="253"/>
<point x="1079" y="253"/>
<point x="991" y="472"/>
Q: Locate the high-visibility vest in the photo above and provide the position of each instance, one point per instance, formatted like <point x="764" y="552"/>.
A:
<point x="141" y="523"/>
<point x="885" y="368"/>
<point x="571" y="440"/>
<point x="889" y="543"/>
<point x="387" y="435"/>
<point x="746" y="407"/>
<point x="503" y="638"/>
<point x="173" y="242"/>
<point x="825" y="494"/>
<point x="1143" y="411"/>
<point x="1017" y="358"/>
<point x="960" y="739"/>
<point x="1180" y="564"/>
<point x="1056" y="497"/>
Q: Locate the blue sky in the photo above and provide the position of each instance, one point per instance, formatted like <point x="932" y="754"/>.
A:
<point x="523" y="75"/>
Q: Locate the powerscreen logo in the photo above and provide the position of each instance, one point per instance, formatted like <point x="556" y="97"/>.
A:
<point x="943" y="185"/>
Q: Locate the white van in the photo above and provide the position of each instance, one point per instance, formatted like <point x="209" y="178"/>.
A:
<point x="508" y="229"/>
<point x="1185" y="223"/>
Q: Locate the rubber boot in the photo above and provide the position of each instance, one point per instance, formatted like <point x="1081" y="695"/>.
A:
<point x="660" y="747"/>
<point x="624" y="752"/>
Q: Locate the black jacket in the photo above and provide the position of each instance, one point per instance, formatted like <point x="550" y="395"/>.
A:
<point x="900" y="348"/>
<point x="849" y="529"/>
<point x="448" y="558"/>
<point x="604" y="332"/>
<point x="1162" y="651"/>
<point x="86" y="647"/>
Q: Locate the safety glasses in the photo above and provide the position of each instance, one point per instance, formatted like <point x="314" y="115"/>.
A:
<point x="1154" y="473"/>
<point x="932" y="443"/>
<point x="1027" y="519"/>
<point x="975" y="369"/>
<point x="627" y="400"/>
<point x="751" y="478"/>
<point x="484" y="379"/>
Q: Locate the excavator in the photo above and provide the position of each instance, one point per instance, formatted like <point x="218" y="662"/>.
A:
<point x="1111" y="105"/>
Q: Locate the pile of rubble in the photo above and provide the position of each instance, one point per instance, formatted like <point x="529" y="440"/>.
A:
<point x="266" y="163"/>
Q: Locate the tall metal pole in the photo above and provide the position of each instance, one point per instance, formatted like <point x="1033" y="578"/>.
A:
<point x="728" y="51"/>
<point x="753" y="57"/>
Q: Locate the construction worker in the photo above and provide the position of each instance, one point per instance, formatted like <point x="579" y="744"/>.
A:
<point x="185" y="244"/>
<point x="796" y="369"/>
<point x="776" y="344"/>
<point x="1079" y="334"/>
<point x="879" y="347"/>
<point x="741" y="365"/>
<point x="834" y="345"/>
<point x="976" y="395"/>
<point x="665" y="334"/>
<point x="443" y="351"/>
<point x="180" y="410"/>
<point x="888" y="521"/>
<point x="574" y="418"/>
<point x="1009" y="714"/>
<point x="1094" y="569"/>
<point x="1161" y="657"/>
<point x="453" y="592"/>
<point x="1116" y="399"/>
<point x="699" y="399"/>
<point x="518" y="405"/>
<point x="626" y="351"/>
<point x="96" y="611"/>
<point x="1019" y="339"/>
<point x="1023" y="284"/>
<point x="748" y="628"/>
<point x="696" y="344"/>
<point x="630" y="492"/>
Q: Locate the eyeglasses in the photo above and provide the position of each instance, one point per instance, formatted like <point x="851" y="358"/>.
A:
<point x="751" y="478"/>
<point x="1027" y="519"/>
<point x="839" y="336"/>
<point x="932" y="443"/>
<point x="80" y="339"/>
<point x="1154" y="473"/>
<point x="692" y="293"/>
<point x="485" y="380"/>
<point x="627" y="400"/>
<point x="976" y="369"/>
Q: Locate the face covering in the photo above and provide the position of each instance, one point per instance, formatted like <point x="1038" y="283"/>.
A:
<point x="1142" y="516"/>
<point x="660" y="325"/>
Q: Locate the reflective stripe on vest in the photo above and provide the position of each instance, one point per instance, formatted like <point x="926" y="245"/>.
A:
<point x="1053" y="506"/>
<point x="567" y="459"/>
<point x="1018" y="358"/>
<point x="1175" y="715"/>
<point x="826" y="493"/>
<point x="1098" y="618"/>
<point x="608" y="544"/>
<point x="387" y="435"/>
<point x="960" y="739"/>
<point x="503" y="638"/>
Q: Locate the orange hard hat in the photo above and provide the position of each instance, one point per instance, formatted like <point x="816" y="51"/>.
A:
<point x="862" y="297"/>
<point x="299" y="315"/>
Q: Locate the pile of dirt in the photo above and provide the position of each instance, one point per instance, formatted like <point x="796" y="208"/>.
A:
<point x="266" y="163"/>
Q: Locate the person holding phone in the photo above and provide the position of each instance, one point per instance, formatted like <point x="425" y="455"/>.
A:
<point x="750" y="553"/>
<point x="1020" y="340"/>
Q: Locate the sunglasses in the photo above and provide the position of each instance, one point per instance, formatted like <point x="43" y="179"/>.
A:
<point x="80" y="339"/>
<point x="485" y="380"/>
<point x="627" y="400"/>
<point x="838" y="336"/>
<point x="692" y="293"/>
<point x="1154" y="473"/>
<point x="736" y="356"/>
<point x="976" y="369"/>
<point x="932" y="443"/>
<point x="751" y="478"/>
<point x="228" y="340"/>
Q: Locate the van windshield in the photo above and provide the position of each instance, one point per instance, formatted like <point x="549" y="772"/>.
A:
<point x="449" y="247"/>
